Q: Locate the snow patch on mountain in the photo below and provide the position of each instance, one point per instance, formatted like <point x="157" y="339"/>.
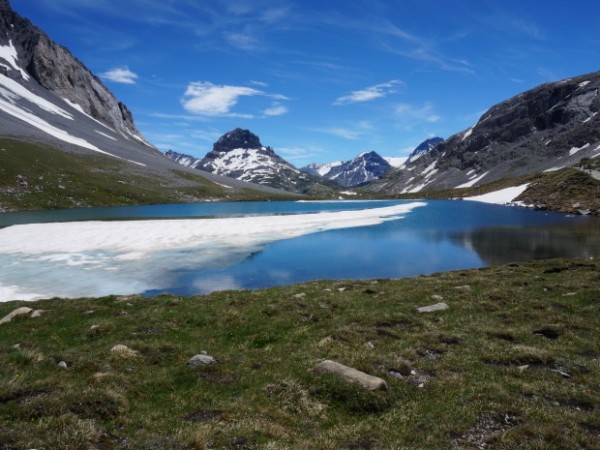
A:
<point x="395" y="161"/>
<point x="9" y="54"/>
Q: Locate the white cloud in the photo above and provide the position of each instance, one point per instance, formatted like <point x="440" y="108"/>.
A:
<point x="275" y="110"/>
<point x="370" y="93"/>
<point x="120" y="75"/>
<point x="344" y="133"/>
<point x="242" y="41"/>
<point x="412" y="114"/>
<point x="208" y="99"/>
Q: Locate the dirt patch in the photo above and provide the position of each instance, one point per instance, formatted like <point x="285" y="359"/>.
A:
<point x="204" y="415"/>
<point x="484" y="431"/>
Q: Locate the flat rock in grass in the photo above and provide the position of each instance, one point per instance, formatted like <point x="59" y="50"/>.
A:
<point x="351" y="375"/>
<point x="201" y="360"/>
<point x="433" y="308"/>
<point x="437" y="298"/>
<point x="22" y="311"/>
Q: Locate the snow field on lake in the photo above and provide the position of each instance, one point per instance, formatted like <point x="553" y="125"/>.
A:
<point x="79" y="259"/>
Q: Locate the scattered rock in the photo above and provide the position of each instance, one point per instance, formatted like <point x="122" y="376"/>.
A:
<point x="351" y="375"/>
<point x="342" y="289"/>
<point x="22" y="311"/>
<point x="300" y="295"/>
<point x="325" y="341"/>
<point x="437" y="298"/>
<point x="523" y="368"/>
<point x="201" y="359"/>
<point x="370" y="345"/>
<point x="22" y="181"/>
<point x="433" y="308"/>
<point x="466" y="287"/>
<point x="396" y="374"/>
<point x="62" y="365"/>
<point x="94" y="327"/>
<point x="37" y="313"/>
<point x="562" y="373"/>
<point x="124" y="351"/>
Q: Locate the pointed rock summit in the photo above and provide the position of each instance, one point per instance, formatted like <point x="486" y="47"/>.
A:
<point x="237" y="138"/>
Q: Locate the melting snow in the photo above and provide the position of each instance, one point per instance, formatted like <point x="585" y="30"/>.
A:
<point x="105" y="135"/>
<point x="9" y="54"/>
<point x="429" y="168"/>
<point x="576" y="149"/>
<point x="590" y="118"/>
<point x="468" y="133"/>
<point x="471" y="182"/>
<point x="26" y="94"/>
<point x="584" y="83"/>
<point x="501" y="197"/>
<point x="100" y="258"/>
<point x="395" y="161"/>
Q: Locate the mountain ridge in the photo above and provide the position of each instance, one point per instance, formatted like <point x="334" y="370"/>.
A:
<point x="546" y="128"/>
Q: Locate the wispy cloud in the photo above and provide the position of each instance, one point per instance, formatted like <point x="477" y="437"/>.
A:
<point x="120" y="75"/>
<point x="208" y="99"/>
<point x="370" y="93"/>
<point x="242" y="41"/>
<point x="275" y="109"/>
<point x="409" y="116"/>
<point x="341" y="132"/>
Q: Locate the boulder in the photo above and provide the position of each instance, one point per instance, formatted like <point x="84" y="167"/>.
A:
<point x="22" y="311"/>
<point x="433" y="308"/>
<point x="201" y="359"/>
<point x="351" y="375"/>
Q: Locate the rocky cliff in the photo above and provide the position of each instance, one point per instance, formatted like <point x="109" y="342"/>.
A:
<point x="546" y="128"/>
<point x="56" y="69"/>
<point x="365" y="168"/>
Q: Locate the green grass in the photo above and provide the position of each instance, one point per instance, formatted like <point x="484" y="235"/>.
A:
<point x="262" y="392"/>
<point x="56" y="179"/>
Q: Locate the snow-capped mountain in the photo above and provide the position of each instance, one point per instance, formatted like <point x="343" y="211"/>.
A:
<point x="239" y="154"/>
<point x="547" y="128"/>
<point x="183" y="159"/>
<point x="321" y="169"/>
<point x="49" y="97"/>
<point x="363" y="169"/>
<point x="423" y="148"/>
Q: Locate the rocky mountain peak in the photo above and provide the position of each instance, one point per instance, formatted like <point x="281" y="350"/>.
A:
<point x="237" y="138"/>
<point x="424" y="147"/>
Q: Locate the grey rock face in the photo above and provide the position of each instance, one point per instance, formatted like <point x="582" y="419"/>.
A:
<point x="56" y="69"/>
<point x="424" y="147"/>
<point x="237" y="138"/>
<point x="552" y="126"/>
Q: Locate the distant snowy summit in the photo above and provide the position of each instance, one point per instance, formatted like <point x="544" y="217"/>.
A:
<point x="363" y="169"/>
<point x="239" y="154"/>
<point x="423" y="148"/>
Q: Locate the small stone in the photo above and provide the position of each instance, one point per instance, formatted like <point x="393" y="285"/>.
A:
<point x="433" y="308"/>
<point x="562" y="373"/>
<point x="201" y="360"/>
<point x="22" y="311"/>
<point x="396" y="374"/>
<point x="300" y="295"/>
<point x="370" y="345"/>
<point x="37" y="313"/>
<point x="327" y="290"/>
<point x="523" y="368"/>
<point x="62" y="365"/>
<point x="570" y="294"/>
<point x="94" y="327"/>
<point x="342" y="289"/>
<point x="466" y="287"/>
<point x="351" y="375"/>
<point x="325" y="341"/>
<point x="437" y="298"/>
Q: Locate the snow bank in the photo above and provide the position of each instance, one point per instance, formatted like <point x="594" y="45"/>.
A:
<point x="501" y="197"/>
<point x="95" y="258"/>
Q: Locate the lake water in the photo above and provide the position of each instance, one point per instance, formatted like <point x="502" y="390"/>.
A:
<point x="435" y="236"/>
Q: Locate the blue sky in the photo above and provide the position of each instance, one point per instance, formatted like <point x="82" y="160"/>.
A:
<point x="319" y="80"/>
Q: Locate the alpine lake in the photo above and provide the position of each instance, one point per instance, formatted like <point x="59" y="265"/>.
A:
<point x="436" y="236"/>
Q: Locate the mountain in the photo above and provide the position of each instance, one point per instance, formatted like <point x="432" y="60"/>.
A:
<point x="183" y="159"/>
<point x="239" y="154"/>
<point x="423" y="148"/>
<point x="547" y="128"/>
<point x="363" y="169"/>
<point x="50" y="99"/>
